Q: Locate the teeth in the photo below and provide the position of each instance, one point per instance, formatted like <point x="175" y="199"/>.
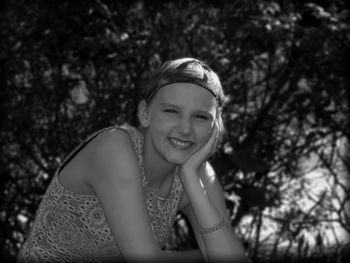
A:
<point x="180" y="143"/>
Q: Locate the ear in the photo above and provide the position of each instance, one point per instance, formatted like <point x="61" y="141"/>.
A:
<point x="143" y="114"/>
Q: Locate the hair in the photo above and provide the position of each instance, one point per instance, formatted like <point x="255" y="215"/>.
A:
<point x="183" y="70"/>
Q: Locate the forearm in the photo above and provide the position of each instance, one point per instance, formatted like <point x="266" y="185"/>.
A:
<point x="206" y="212"/>
<point x="222" y="243"/>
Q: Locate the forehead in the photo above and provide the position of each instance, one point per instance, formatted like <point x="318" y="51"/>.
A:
<point x="186" y="94"/>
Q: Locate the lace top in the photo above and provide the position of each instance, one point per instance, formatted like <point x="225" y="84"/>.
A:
<point x="71" y="227"/>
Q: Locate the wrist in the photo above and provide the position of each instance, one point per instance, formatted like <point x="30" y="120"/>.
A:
<point x="192" y="170"/>
<point x="188" y="175"/>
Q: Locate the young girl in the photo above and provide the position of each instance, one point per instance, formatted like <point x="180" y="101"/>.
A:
<point x="116" y="196"/>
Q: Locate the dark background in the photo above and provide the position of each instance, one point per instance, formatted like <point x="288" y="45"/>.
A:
<point x="68" y="68"/>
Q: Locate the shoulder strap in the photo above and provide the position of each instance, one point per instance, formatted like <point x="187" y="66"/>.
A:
<point x="136" y="139"/>
<point x="81" y="146"/>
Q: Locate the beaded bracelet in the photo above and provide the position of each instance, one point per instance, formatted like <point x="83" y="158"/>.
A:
<point x="208" y="230"/>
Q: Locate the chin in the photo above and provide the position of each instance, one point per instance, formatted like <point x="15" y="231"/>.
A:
<point x="176" y="161"/>
<point x="176" y="157"/>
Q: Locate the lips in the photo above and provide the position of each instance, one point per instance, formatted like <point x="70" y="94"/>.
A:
<point x="180" y="144"/>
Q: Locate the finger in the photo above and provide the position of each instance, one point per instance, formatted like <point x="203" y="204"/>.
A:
<point x="207" y="147"/>
<point x="206" y="150"/>
<point x="215" y="132"/>
<point x="214" y="147"/>
<point x="217" y="140"/>
<point x="216" y="136"/>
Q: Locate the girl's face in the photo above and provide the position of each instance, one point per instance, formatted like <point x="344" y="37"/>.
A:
<point x="181" y="118"/>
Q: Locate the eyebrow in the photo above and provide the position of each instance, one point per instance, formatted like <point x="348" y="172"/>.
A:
<point x="165" y="104"/>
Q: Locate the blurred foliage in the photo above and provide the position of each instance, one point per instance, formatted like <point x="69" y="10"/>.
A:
<point x="69" y="68"/>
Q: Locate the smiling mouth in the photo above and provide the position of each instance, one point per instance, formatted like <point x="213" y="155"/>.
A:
<point x="180" y="144"/>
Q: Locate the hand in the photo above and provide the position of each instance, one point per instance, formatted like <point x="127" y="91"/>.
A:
<point x="197" y="159"/>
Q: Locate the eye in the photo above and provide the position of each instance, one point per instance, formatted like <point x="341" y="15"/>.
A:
<point x="170" y="111"/>
<point x="202" y="117"/>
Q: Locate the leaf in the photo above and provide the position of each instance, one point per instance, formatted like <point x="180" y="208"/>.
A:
<point x="249" y="163"/>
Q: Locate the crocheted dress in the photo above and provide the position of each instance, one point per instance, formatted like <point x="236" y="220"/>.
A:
<point x="71" y="227"/>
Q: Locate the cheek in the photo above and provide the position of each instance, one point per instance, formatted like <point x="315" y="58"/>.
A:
<point x="204" y="132"/>
<point x="160" y="126"/>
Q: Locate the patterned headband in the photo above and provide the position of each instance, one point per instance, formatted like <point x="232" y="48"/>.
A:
<point x="149" y="97"/>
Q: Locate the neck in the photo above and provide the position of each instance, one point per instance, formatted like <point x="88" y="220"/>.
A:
<point x="156" y="174"/>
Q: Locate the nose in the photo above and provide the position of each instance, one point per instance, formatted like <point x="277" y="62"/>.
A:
<point x="185" y="127"/>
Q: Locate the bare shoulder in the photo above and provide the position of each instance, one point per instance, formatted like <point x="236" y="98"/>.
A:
<point x="112" y="153"/>
<point x="93" y="159"/>
<point x="111" y="138"/>
<point x="114" y="177"/>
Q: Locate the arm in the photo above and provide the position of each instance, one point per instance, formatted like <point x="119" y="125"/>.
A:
<point x="114" y="177"/>
<point x="207" y="203"/>
<point x="207" y="206"/>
